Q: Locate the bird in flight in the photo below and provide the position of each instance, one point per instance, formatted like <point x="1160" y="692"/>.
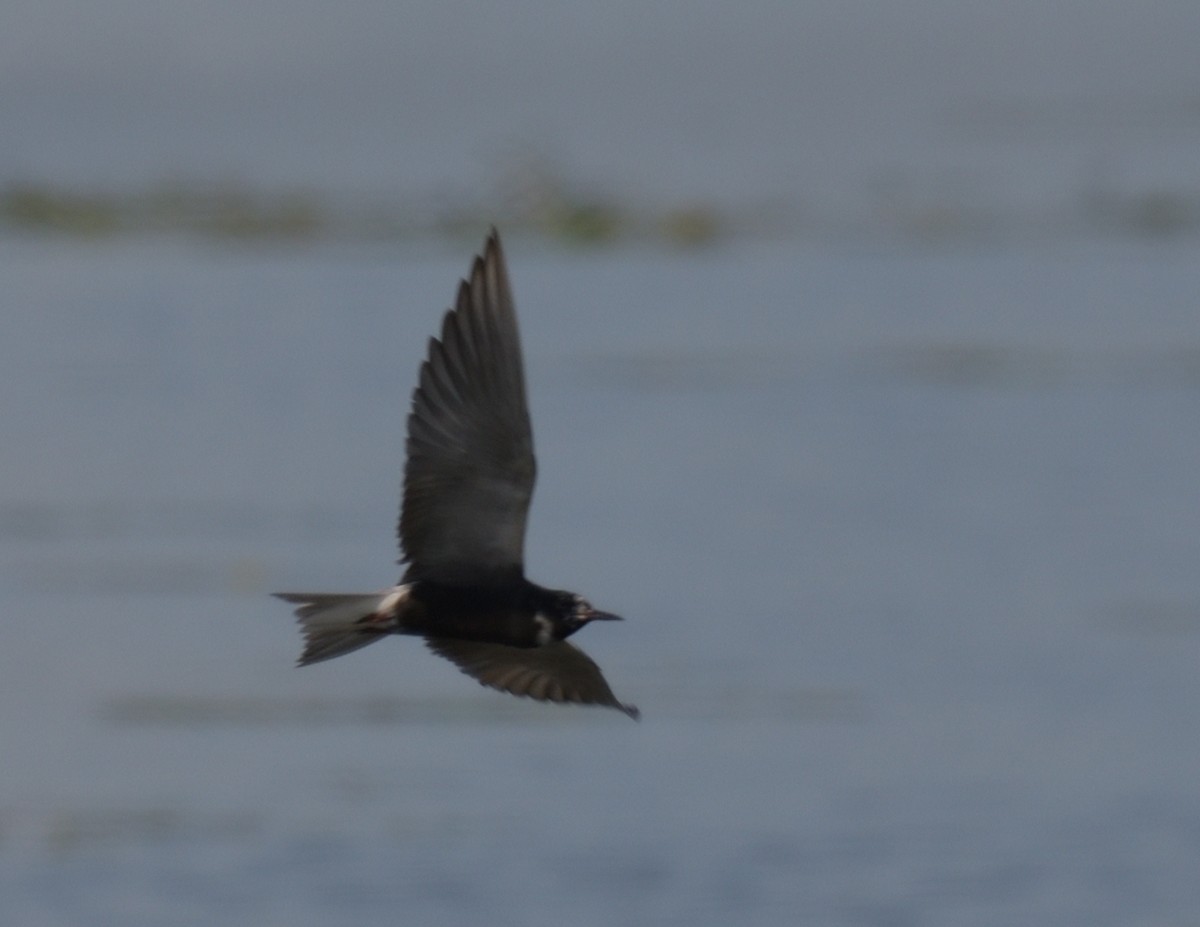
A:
<point x="468" y="481"/>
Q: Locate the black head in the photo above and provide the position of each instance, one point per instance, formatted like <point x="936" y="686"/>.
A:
<point x="570" y="612"/>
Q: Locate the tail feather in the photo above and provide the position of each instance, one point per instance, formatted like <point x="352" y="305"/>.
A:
<point x="334" y="624"/>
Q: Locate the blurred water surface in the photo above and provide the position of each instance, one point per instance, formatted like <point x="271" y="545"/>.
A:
<point x="906" y="541"/>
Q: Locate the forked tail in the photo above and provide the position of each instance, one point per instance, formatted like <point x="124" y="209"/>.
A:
<point x="334" y="624"/>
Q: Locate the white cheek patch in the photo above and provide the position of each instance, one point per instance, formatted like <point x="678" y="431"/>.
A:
<point x="545" y="629"/>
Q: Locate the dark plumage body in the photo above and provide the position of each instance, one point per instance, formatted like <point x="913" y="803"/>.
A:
<point x="467" y="486"/>
<point x="499" y="614"/>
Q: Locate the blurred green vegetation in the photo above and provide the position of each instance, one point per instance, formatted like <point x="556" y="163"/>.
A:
<point x="39" y="208"/>
<point x="216" y="212"/>
<point x="231" y="212"/>
<point x="537" y="200"/>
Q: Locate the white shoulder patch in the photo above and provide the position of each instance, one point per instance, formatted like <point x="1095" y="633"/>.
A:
<point x="545" y="631"/>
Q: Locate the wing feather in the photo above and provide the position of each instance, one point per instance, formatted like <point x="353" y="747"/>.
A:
<point x="471" y="469"/>
<point x="557" y="672"/>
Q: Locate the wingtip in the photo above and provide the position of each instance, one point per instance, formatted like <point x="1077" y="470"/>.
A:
<point x="492" y="247"/>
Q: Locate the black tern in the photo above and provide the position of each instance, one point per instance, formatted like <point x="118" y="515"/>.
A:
<point x="468" y="482"/>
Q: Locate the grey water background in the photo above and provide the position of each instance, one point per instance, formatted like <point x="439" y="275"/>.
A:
<point x="903" y="516"/>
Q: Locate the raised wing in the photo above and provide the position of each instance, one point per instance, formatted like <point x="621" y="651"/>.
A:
<point x="470" y="470"/>
<point x="557" y="672"/>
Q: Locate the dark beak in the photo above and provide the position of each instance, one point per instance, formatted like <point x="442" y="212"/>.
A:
<point x="594" y="615"/>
